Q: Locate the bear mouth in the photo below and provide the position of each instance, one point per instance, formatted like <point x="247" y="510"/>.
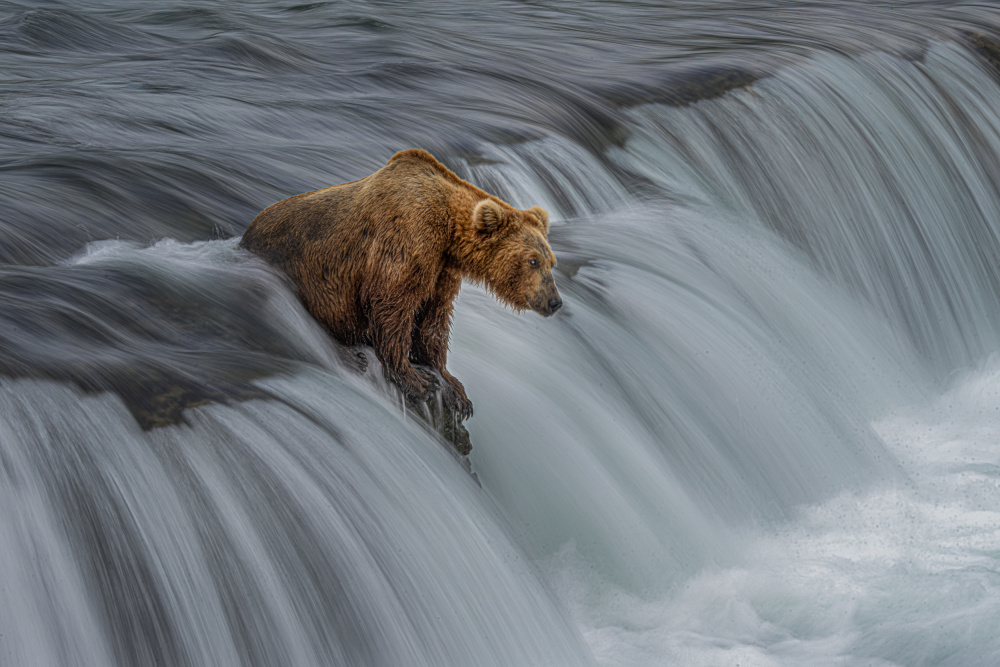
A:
<point x="543" y="306"/>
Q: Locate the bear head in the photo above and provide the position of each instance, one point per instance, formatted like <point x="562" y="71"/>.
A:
<point x="517" y="260"/>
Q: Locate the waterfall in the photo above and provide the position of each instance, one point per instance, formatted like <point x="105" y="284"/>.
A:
<point x="761" y="430"/>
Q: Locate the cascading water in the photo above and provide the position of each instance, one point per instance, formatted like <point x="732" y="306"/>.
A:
<point x="762" y="431"/>
<point x="880" y="169"/>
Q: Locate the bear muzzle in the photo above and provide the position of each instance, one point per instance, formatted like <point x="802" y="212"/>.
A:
<point x="555" y="303"/>
<point x="546" y="301"/>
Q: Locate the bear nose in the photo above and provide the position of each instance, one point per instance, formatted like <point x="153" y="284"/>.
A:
<point x="555" y="303"/>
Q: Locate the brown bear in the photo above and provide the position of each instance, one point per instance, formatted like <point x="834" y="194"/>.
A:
<point x="380" y="260"/>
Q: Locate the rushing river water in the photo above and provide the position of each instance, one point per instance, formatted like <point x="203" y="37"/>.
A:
<point x="764" y="430"/>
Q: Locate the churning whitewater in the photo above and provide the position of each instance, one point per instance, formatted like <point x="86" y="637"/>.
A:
<point x="764" y="429"/>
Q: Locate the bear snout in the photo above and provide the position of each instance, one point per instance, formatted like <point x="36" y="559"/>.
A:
<point x="545" y="302"/>
<point x="555" y="303"/>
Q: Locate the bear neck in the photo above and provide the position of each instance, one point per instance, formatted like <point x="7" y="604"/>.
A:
<point x="472" y="254"/>
<point x="471" y="258"/>
<point x="479" y="262"/>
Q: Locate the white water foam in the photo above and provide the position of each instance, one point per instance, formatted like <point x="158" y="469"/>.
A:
<point x="907" y="574"/>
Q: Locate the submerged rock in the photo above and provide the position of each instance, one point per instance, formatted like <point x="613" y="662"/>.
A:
<point x="162" y="343"/>
<point x="987" y="47"/>
<point x="684" y="86"/>
<point x="158" y="397"/>
<point x="435" y="411"/>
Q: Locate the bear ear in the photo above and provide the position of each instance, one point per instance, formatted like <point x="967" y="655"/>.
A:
<point x="488" y="216"/>
<point x="542" y="215"/>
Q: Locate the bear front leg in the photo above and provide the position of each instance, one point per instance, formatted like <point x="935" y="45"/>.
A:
<point x="430" y="345"/>
<point x="391" y="338"/>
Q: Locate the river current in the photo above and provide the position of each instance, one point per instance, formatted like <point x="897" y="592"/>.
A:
<point x="763" y="430"/>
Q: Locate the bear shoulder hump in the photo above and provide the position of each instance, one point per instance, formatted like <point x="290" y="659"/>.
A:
<point x="414" y="155"/>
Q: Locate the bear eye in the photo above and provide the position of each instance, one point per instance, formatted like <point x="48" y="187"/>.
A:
<point x="533" y="263"/>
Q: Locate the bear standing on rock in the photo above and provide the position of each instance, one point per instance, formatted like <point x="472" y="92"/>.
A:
<point x="380" y="260"/>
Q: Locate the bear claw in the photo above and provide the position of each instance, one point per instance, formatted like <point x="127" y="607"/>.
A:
<point x="458" y="403"/>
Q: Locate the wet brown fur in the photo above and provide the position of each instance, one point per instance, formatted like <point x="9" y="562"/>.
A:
<point x="380" y="260"/>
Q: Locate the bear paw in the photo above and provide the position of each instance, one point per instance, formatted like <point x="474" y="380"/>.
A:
<point x="353" y="359"/>
<point x="419" y="384"/>
<point x="456" y="400"/>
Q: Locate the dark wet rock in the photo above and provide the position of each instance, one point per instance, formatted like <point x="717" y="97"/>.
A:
<point x="161" y="346"/>
<point x="441" y="419"/>
<point x="157" y="397"/>
<point x="434" y="411"/>
<point x="684" y="86"/>
<point x="987" y="47"/>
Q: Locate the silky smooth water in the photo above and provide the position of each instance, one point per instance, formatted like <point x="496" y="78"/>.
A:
<point x="764" y="429"/>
